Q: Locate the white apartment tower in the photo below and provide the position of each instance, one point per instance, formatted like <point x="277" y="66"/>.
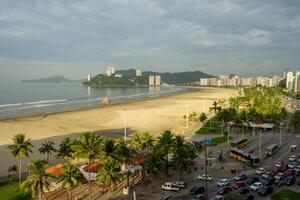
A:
<point x="289" y="80"/>
<point x="157" y="80"/>
<point x="89" y="77"/>
<point x="151" y="80"/>
<point x="138" y="72"/>
<point x="110" y="71"/>
<point x="154" y="80"/>
<point x="297" y="82"/>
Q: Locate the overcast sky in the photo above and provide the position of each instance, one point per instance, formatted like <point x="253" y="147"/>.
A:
<point x="39" y="38"/>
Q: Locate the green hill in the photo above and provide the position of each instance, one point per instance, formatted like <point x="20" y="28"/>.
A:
<point x="129" y="79"/>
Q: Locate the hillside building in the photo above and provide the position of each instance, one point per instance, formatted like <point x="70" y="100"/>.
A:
<point x="138" y="72"/>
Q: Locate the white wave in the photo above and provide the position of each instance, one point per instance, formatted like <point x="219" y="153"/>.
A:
<point x="9" y="105"/>
<point x="46" y="101"/>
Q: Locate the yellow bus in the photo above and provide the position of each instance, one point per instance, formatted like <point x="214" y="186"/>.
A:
<point x="238" y="154"/>
<point x="271" y="150"/>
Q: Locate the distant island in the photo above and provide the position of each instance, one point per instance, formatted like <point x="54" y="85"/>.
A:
<point x="52" y="79"/>
<point x="125" y="78"/>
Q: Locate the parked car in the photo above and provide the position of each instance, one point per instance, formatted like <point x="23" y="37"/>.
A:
<point x="279" y="164"/>
<point x="204" y="177"/>
<point x="290" y="180"/>
<point x="252" y="180"/>
<point x="265" y="190"/>
<point x="218" y="197"/>
<point x="260" y="171"/>
<point x="292" y="158"/>
<point x="169" y="187"/>
<point x="289" y="172"/>
<point x="297" y="170"/>
<point x="249" y="197"/>
<point x="268" y="173"/>
<point x="279" y="176"/>
<point x="166" y="197"/>
<point x="240" y="177"/>
<point x="179" y="184"/>
<point x="198" y="197"/>
<point x="243" y="191"/>
<point x="292" y="165"/>
<point x="256" y="186"/>
<point x="224" y="190"/>
<point x="238" y="185"/>
<point x="223" y="182"/>
<point x="269" y="180"/>
<point x="197" y="190"/>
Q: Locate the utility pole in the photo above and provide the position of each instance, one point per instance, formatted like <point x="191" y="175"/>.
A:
<point x="280" y="139"/>
<point x="205" y="151"/>
<point x="125" y="125"/>
<point x="260" y="144"/>
<point x="243" y="131"/>
<point x="203" y="104"/>
<point x="228" y="138"/>
<point x="187" y="117"/>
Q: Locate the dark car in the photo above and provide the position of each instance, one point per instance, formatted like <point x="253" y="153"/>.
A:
<point x="252" y="180"/>
<point x="249" y="197"/>
<point x="224" y="190"/>
<point x="243" y="191"/>
<point x="198" y="197"/>
<point x="166" y="197"/>
<point x="240" y="177"/>
<point x="268" y="181"/>
<point x="265" y="190"/>
<point x="287" y="181"/>
<point x="197" y="190"/>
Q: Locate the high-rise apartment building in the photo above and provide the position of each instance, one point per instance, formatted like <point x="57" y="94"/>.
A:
<point x="157" y="80"/>
<point x="297" y="82"/>
<point x="151" y="80"/>
<point x="110" y="71"/>
<point x="289" y="80"/>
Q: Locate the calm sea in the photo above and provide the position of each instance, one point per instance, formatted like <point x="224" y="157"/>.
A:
<point x="20" y="99"/>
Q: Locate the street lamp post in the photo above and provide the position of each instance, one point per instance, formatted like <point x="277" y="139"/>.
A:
<point x="205" y="149"/>
<point x="125" y="125"/>
<point x="228" y="138"/>
<point x="187" y="117"/>
<point x="260" y="144"/>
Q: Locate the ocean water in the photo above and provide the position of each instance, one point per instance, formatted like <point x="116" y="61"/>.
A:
<point x="22" y="99"/>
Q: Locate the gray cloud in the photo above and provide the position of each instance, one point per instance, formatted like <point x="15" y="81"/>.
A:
<point x="73" y="38"/>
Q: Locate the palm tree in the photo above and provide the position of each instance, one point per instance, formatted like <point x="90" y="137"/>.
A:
<point x="215" y="107"/>
<point x="155" y="162"/>
<point x="181" y="154"/>
<point x="88" y="147"/>
<point x="65" y="150"/>
<point x="111" y="164"/>
<point x="137" y="142"/>
<point x="71" y="177"/>
<point x="203" y="117"/>
<point x="148" y="141"/>
<point x="13" y="169"/>
<point x="38" y="180"/>
<point x="47" y="148"/>
<point x="166" y="141"/>
<point x="20" y="148"/>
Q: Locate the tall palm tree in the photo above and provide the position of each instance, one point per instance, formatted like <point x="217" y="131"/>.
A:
<point x="182" y="152"/>
<point x="65" y="150"/>
<point x="88" y="147"/>
<point x="148" y="141"/>
<point x="38" y="180"/>
<point x="155" y="162"/>
<point x="111" y="164"/>
<point x="71" y="177"/>
<point x="47" y="148"/>
<point x="215" y="107"/>
<point x="20" y="148"/>
<point x="166" y="141"/>
<point x="137" y="142"/>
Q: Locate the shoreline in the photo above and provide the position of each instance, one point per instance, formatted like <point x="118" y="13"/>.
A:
<point x="101" y="105"/>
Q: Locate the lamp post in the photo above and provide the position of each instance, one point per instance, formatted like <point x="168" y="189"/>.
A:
<point x="260" y="144"/>
<point x="125" y="125"/>
<point x="187" y="117"/>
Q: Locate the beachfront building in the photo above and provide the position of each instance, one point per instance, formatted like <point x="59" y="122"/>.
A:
<point x="138" y="72"/>
<point x="151" y="80"/>
<point x="297" y="82"/>
<point x="157" y="80"/>
<point x="289" y="81"/>
<point x="110" y="71"/>
<point x="89" y="77"/>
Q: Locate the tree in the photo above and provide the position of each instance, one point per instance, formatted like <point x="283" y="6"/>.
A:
<point x="137" y="142"/>
<point x="47" y="148"/>
<point x="38" y="179"/>
<point x="182" y="152"/>
<point x="203" y="117"/>
<point x="148" y="141"/>
<point x="155" y="161"/>
<point x="296" y="120"/>
<point x="111" y="165"/>
<point x="215" y="107"/>
<point x="13" y="169"/>
<point x="65" y="150"/>
<point x="166" y="141"/>
<point x="20" y="148"/>
<point x="88" y="147"/>
<point x="71" y="178"/>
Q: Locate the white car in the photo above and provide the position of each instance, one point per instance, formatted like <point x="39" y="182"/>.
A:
<point x="179" y="184"/>
<point x="292" y="158"/>
<point x="292" y="165"/>
<point x="169" y="187"/>
<point x="260" y="171"/>
<point x="256" y="186"/>
<point x="223" y="182"/>
<point x="218" y="197"/>
<point x="203" y="177"/>
<point x="279" y="164"/>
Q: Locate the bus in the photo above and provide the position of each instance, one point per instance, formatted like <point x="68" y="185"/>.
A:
<point x="238" y="154"/>
<point x="271" y="150"/>
<point x="239" y="143"/>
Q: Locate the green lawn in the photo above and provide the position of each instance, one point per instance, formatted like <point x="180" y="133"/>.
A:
<point x="12" y="192"/>
<point x="219" y="140"/>
<point x="286" y="194"/>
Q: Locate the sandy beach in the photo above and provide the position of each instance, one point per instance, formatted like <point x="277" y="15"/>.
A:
<point x="152" y="115"/>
